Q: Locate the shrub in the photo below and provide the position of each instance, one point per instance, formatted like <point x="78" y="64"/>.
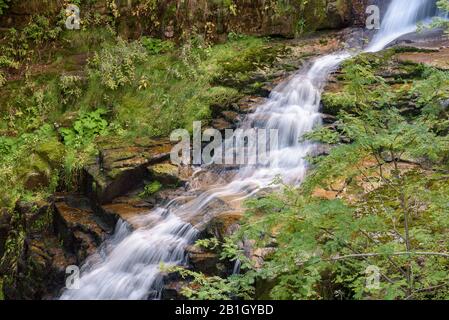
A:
<point x="70" y="88"/>
<point x="116" y="64"/>
<point x="85" y="129"/>
<point x="156" y="46"/>
<point x="3" y="6"/>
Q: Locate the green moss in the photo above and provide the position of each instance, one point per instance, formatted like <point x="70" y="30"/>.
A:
<point x="52" y="152"/>
<point x="151" y="189"/>
<point x="333" y="103"/>
<point x="240" y="69"/>
<point x="223" y="96"/>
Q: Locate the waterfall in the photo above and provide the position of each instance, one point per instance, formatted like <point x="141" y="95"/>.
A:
<point x="127" y="266"/>
<point x="400" y="19"/>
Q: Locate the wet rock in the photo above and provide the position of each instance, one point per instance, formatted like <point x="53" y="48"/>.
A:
<point x="231" y="116"/>
<point x="249" y="104"/>
<point x="209" y="211"/>
<point x="224" y="224"/>
<point x="129" y="210"/>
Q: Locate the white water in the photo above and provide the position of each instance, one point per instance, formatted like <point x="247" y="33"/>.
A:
<point x="401" y="18"/>
<point x="127" y="265"/>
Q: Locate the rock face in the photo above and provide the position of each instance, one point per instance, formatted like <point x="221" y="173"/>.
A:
<point x="123" y="167"/>
<point x="214" y="19"/>
<point x="438" y="59"/>
<point x="77" y="226"/>
<point x="359" y="8"/>
<point x="33" y="263"/>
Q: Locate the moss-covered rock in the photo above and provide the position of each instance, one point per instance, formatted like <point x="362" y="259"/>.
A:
<point x="386" y="78"/>
<point x="122" y="167"/>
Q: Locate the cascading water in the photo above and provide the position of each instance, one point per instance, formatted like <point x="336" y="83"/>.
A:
<point x="127" y="266"/>
<point x="401" y="18"/>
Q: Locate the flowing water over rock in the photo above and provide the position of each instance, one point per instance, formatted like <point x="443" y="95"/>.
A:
<point x="127" y="266"/>
<point x="401" y="18"/>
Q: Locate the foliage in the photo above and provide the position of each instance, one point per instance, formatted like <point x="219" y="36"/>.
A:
<point x="38" y="151"/>
<point x="3" y="6"/>
<point x="216" y="288"/>
<point x="20" y="45"/>
<point x="70" y="88"/>
<point x="440" y="22"/>
<point x="38" y="31"/>
<point x="359" y="75"/>
<point x="116" y="64"/>
<point x="432" y="90"/>
<point x="156" y="46"/>
<point x="253" y="59"/>
<point x="85" y="129"/>
<point x="391" y="217"/>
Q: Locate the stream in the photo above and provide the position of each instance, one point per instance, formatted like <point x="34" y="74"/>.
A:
<point x="127" y="266"/>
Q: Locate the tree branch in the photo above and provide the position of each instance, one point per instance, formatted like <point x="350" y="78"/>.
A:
<point x="366" y="255"/>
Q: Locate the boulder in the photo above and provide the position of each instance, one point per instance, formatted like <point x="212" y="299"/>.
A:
<point x="122" y="168"/>
<point x="249" y="104"/>
<point x="32" y="212"/>
<point x="231" y="116"/>
<point x="37" y="170"/>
